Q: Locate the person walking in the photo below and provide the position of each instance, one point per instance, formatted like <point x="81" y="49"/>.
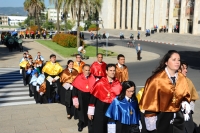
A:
<point x="121" y="69"/>
<point x="138" y="50"/>
<point x="82" y="85"/>
<point x="103" y="93"/>
<point x="66" y="79"/>
<point x="124" y="111"/>
<point x="189" y="125"/>
<point x="166" y="97"/>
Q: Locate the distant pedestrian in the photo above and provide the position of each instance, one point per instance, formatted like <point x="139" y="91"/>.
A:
<point x="138" y="36"/>
<point x="138" y="50"/>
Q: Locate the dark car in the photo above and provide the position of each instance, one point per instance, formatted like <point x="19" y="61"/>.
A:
<point x="73" y="32"/>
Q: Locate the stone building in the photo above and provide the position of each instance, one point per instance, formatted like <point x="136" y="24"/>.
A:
<point x="145" y="14"/>
<point x="3" y="20"/>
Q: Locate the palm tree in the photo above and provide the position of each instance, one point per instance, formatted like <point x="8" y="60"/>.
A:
<point x="58" y="4"/>
<point x="34" y="8"/>
<point x="78" y="7"/>
<point x="66" y="8"/>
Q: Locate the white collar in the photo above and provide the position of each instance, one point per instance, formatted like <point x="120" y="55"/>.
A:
<point x="127" y="98"/>
<point x="176" y="75"/>
<point x="99" y="62"/>
<point x="53" y="63"/>
<point x="119" y="65"/>
<point x="70" y="69"/>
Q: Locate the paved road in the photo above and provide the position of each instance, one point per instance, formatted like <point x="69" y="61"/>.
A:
<point x="12" y="90"/>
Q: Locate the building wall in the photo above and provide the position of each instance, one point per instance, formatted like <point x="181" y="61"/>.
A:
<point x="14" y="20"/>
<point x="3" y="20"/>
<point x="167" y="13"/>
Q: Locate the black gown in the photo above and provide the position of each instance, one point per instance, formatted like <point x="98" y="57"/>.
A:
<point x="99" y="123"/>
<point x="53" y="90"/>
<point x="81" y="112"/>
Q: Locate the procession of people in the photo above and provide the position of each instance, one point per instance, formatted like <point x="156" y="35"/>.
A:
<point x="103" y="98"/>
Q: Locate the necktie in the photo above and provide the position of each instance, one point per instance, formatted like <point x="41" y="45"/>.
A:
<point x="78" y="63"/>
<point x="174" y="80"/>
<point x="129" y="100"/>
<point x="110" y="82"/>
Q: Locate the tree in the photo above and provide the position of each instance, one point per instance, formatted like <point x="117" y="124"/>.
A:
<point x="66" y="8"/>
<point x="34" y="8"/>
<point x="58" y="4"/>
<point x="78" y="8"/>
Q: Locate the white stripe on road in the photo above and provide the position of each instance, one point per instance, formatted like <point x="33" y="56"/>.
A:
<point x="11" y="85"/>
<point x="14" y="89"/>
<point x="13" y="93"/>
<point x="12" y="82"/>
<point x="17" y="103"/>
<point x="15" y="98"/>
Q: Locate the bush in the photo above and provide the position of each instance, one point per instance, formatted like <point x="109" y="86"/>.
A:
<point x="66" y="40"/>
<point x="93" y="27"/>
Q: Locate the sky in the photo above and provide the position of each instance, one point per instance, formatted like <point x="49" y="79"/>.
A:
<point x="16" y="3"/>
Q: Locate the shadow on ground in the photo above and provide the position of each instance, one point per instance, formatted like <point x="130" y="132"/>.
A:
<point x="192" y="58"/>
<point x="5" y="54"/>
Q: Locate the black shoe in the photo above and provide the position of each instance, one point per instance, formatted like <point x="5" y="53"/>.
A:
<point x="69" y="117"/>
<point x="80" y="129"/>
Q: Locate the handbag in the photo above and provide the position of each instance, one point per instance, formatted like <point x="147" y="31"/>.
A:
<point x="134" y="129"/>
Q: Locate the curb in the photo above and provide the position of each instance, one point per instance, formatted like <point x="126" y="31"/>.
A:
<point x="157" y="42"/>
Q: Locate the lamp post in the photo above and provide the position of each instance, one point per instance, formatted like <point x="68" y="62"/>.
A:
<point x="97" y="22"/>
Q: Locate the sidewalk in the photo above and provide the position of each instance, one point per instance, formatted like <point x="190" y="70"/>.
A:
<point x="11" y="59"/>
<point x="37" y="118"/>
<point x="172" y="38"/>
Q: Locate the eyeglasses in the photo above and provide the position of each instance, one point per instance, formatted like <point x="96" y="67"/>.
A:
<point x="78" y="57"/>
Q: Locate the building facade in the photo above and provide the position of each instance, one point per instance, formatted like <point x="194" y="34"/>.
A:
<point x="3" y="20"/>
<point x="15" y="20"/>
<point x="145" y="14"/>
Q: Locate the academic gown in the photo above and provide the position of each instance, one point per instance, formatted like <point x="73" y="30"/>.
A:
<point x="66" y="95"/>
<point x="52" y="70"/>
<point x="98" y="69"/>
<point x="157" y="101"/>
<point x="22" y="66"/>
<point x="126" y="114"/>
<point x="78" y="67"/>
<point x="189" y="125"/>
<point x="122" y="73"/>
<point x="41" y="83"/>
<point x="103" y="93"/>
<point x="81" y="90"/>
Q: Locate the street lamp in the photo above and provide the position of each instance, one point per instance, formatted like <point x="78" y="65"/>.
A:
<point x="97" y="21"/>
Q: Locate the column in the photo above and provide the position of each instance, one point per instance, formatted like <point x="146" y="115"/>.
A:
<point x="129" y="6"/>
<point x="195" y="17"/>
<point x="151" y="14"/>
<point x="170" y="18"/>
<point x="135" y="15"/>
<point x="164" y="12"/>
<point x="142" y="11"/>
<point x="123" y="13"/>
<point x="160" y="23"/>
<point x="118" y="15"/>
<point x="182" y="18"/>
<point x="148" y="14"/>
<point x="156" y="12"/>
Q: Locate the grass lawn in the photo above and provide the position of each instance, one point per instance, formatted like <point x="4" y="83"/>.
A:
<point x="9" y="27"/>
<point x="67" y="52"/>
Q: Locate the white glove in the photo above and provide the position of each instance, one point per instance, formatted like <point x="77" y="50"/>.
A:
<point x="37" y="88"/>
<point x="150" y="123"/>
<point x="71" y="87"/>
<point x="41" y="93"/>
<point x="20" y="71"/>
<point x="186" y="117"/>
<point x="192" y="105"/>
<point x="186" y="107"/>
<point x="140" y="125"/>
